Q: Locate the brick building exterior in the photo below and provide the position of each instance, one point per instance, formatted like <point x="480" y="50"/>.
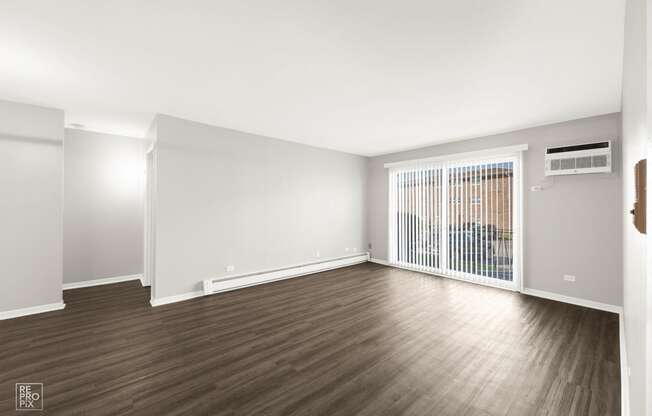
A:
<point x="482" y="197"/>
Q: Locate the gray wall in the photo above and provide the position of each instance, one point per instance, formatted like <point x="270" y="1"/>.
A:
<point x="230" y="198"/>
<point x="635" y="131"/>
<point x="103" y="205"/>
<point x="573" y="227"/>
<point x="31" y="199"/>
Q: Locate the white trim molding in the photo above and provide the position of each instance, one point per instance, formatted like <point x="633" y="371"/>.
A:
<point x="573" y="301"/>
<point x="624" y="369"/>
<point x="103" y="281"/>
<point x="176" y="298"/>
<point x="224" y="284"/>
<point x="494" y="152"/>
<point x="32" y="310"/>
<point x="380" y="261"/>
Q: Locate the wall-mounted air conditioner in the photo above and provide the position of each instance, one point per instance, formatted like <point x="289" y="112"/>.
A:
<point x="578" y="159"/>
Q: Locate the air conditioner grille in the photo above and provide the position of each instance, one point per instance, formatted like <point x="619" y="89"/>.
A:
<point x="583" y="162"/>
<point x="555" y="164"/>
<point x="599" y="161"/>
<point x="568" y="163"/>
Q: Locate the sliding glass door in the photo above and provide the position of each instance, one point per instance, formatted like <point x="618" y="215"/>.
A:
<point x="458" y="219"/>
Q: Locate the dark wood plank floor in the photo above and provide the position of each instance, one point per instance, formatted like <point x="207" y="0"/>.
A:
<point x="363" y="340"/>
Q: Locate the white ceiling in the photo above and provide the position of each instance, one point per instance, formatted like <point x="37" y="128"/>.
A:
<point x="361" y="76"/>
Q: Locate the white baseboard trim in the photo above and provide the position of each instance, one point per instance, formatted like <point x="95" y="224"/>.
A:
<point x="32" y="310"/>
<point x="228" y="283"/>
<point x="103" y="281"/>
<point x="176" y="298"/>
<point x="624" y="369"/>
<point x="380" y="261"/>
<point x="526" y="291"/>
<point x="573" y="301"/>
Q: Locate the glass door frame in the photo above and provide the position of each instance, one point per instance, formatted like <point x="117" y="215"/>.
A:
<point x="456" y="161"/>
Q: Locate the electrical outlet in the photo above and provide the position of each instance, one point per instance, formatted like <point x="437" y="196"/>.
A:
<point x="569" y="278"/>
<point x="230" y="268"/>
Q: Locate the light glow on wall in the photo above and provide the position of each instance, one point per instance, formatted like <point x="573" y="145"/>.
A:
<point x="125" y="177"/>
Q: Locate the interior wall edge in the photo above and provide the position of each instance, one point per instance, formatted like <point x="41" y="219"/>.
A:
<point x="624" y="366"/>
<point x="32" y="310"/>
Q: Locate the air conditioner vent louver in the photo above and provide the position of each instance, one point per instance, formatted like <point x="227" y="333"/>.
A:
<point x="583" y="162"/>
<point x="578" y="159"/>
<point x="599" y="161"/>
<point x="568" y="163"/>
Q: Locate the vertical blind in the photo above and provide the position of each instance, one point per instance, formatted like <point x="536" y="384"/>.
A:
<point x="456" y="219"/>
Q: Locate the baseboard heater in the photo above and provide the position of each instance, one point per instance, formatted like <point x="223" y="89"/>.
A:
<point x="224" y="284"/>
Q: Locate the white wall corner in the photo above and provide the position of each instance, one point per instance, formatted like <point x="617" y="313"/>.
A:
<point x="379" y="261"/>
